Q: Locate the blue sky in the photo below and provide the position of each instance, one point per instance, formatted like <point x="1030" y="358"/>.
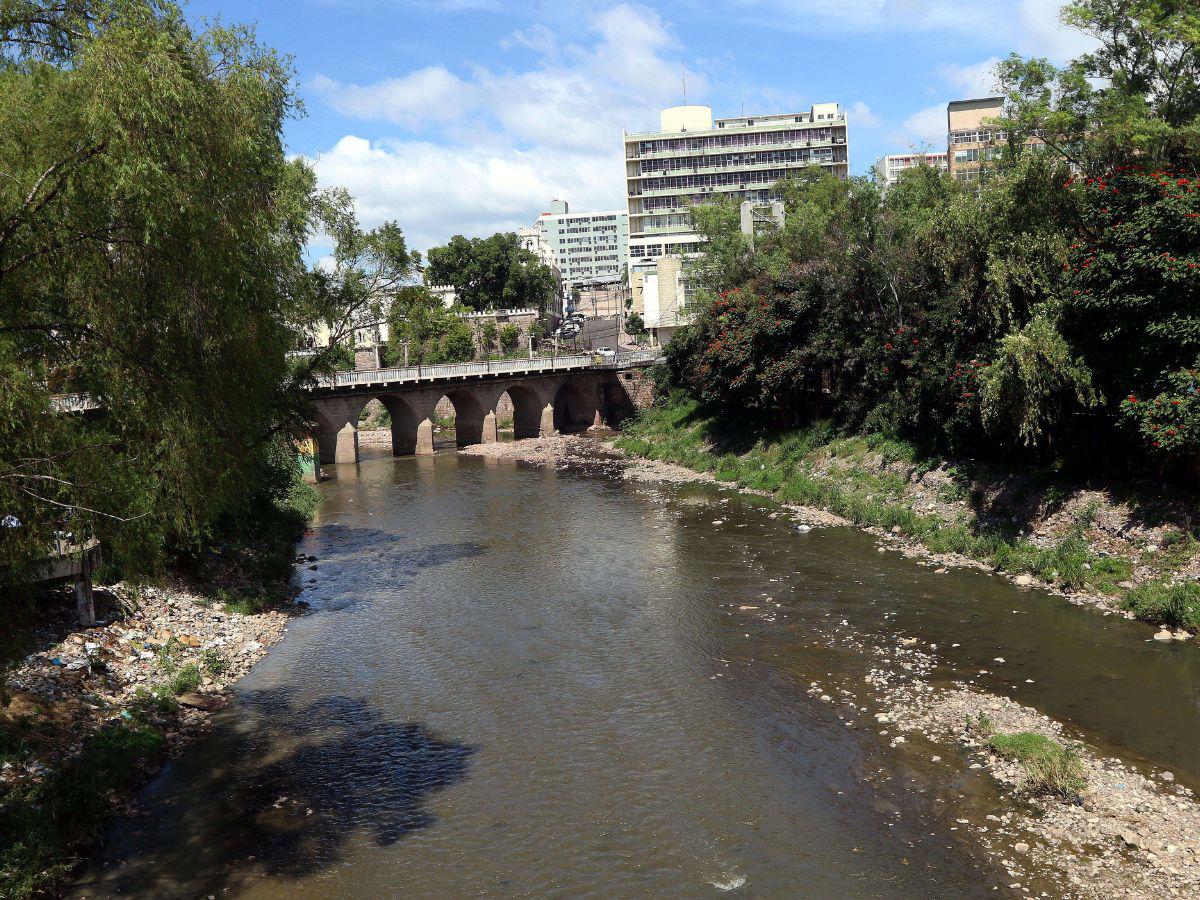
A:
<point x="468" y="116"/>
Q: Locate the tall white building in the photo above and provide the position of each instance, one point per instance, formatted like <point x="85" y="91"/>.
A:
<point x="692" y="159"/>
<point x="889" y="167"/>
<point x="587" y="247"/>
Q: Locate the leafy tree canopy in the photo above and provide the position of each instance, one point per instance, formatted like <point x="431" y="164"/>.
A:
<point x="1134" y="99"/>
<point x="433" y="333"/>
<point x="492" y="273"/>
<point x="151" y="234"/>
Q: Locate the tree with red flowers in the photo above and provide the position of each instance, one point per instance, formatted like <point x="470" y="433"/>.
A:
<point x="1131" y="296"/>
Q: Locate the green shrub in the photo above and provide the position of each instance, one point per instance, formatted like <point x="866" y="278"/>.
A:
<point x="1048" y="768"/>
<point x="184" y="680"/>
<point x="241" y="603"/>
<point x="1174" y="605"/>
<point x="167" y="658"/>
<point x="151" y="705"/>
<point x="214" y="662"/>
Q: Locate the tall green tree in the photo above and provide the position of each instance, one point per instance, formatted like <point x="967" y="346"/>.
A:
<point x="492" y="273"/>
<point x="358" y="283"/>
<point x="1135" y="98"/>
<point x="432" y="332"/>
<point x="151" y="228"/>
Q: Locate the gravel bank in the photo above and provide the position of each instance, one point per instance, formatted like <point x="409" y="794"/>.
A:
<point x="74" y="687"/>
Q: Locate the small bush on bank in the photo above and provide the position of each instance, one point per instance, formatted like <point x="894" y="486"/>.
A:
<point x="1173" y="605"/>
<point x="184" y="680"/>
<point x="214" y="662"/>
<point x="152" y="705"/>
<point x="244" y="604"/>
<point x="1048" y="767"/>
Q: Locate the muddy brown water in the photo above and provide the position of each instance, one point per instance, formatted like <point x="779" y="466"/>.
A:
<point x="524" y="682"/>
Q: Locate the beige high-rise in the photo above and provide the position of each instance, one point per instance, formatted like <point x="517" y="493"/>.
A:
<point x="693" y="159"/>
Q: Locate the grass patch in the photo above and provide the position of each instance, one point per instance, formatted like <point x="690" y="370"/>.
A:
<point x="44" y="826"/>
<point x="214" y="663"/>
<point x="242" y="602"/>
<point x="1048" y="768"/>
<point x="153" y="705"/>
<point x="1173" y="605"/>
<point x="186" y="678"/>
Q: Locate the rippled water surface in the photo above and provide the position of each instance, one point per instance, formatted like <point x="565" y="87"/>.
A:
<point x="518" y="682"/>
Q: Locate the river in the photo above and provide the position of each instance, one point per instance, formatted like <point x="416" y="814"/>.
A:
<point x="526" y="682"/>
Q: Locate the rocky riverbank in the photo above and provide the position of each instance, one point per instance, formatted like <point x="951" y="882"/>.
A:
<point x="1129" y="831"/>
<point x="92" y="713"/>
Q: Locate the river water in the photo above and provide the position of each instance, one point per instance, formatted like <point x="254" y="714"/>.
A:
<point x="524" y="682"/>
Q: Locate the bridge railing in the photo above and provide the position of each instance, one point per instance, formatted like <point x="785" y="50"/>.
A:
<point x="453" y="370"/>
<point x="632" y="358"/>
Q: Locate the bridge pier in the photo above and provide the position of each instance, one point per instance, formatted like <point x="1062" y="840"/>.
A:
<point x="424" y="445"/>
<point x="346" y="447"/>
<point x="547" y="424"/>
<point x="491" y="432"/>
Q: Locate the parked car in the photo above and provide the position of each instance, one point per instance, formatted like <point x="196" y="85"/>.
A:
<point x="607" y="352"/>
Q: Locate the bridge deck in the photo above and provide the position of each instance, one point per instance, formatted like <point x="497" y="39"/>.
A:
<point x="479" y="370"/>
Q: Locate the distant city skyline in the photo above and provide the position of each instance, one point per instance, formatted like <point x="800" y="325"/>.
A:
<point x="463" y="116"/>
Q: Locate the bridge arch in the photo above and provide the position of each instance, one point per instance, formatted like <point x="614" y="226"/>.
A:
<point x="337" y="429"/>
<point x="575" y="407"/>
<point x="527" y="407"/>
<point x="468" y="416"/>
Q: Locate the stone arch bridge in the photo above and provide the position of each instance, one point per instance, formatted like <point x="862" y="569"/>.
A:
<point x="548" y="396"/>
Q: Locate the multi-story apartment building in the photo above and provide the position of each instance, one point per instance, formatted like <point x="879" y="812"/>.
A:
<point x="692" y="159"/>
<point x="588" y="247"/>
<point x="972" y="136"/>
<point x="889" y="167"/>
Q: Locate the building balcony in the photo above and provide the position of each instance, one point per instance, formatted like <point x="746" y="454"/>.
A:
<point x="632" y="153"/>
<point x="736" y="167"/>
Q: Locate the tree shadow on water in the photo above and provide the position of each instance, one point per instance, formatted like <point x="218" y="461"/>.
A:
<point x="278" y="791"/>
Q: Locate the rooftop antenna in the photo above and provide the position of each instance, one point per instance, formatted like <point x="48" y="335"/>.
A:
<point x="683" y="78"/>
<point x="743" y="103"/>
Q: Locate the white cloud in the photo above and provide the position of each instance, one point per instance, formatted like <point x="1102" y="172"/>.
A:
<point x="432" y="94"/>
<point x="978" y="80"/>
<point x="434" y="190"/>
<point x="575" y="96"/>
<point x="1040" y="33"/>
<point x="861" y="115"/>
<point x="925" y="127"/>
<point x="486" y="150"/>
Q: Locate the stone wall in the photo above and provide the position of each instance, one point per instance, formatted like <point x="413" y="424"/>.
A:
<point x="523" y="319"/>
